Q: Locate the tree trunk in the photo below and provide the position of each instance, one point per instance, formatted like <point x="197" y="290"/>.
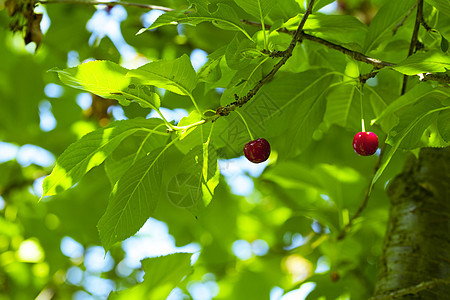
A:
<point x="415" y="263"/>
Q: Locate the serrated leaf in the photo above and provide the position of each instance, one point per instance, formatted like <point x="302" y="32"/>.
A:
<point x="108" y="80"/>
<point x="412" y="124"/>
<point x="177" y="75"/>
<point x="90" y="151"/>
<point x="115" y="168"/>
<point x="389" y="15"/>
<point x="224" y="17"/>
<point x="433" y="61"/>
<point x="133" y="200"/>
<point x="257" y="8"/>
<point x="442" y="5"/>
<point x="162" y="275"/>
<point x="410" y="97"/>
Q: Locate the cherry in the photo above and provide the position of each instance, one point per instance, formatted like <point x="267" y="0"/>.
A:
<point x="365" y="143"/>
<point x="257" y="151"/>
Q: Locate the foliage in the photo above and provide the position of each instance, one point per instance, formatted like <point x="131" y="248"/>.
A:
<point x="109" y="179"/>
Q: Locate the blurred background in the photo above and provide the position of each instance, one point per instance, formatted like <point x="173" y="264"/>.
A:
<point x="262" y="234"/>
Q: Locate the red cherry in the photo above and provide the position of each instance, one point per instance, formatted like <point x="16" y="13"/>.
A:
<point x="257" y="151"/>
<point x="365" y="143"/>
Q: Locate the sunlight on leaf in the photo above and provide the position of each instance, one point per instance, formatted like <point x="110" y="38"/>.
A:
<point x="432" y="61"/>
<point x="413" y="122"/>
<point x="108" y="80"/>
<point x="389" y="15"/>
<point x="177" y="75"/>
<point x="133" y="199"/>
<point x="162" y="275"/>
<point x="224" y="17"/>
<point x="90" y="151"/>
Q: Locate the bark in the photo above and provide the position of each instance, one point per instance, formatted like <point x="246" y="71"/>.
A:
<point x="415" y="263"/>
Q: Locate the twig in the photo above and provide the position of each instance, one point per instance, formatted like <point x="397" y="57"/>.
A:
<point x="413" y="43"/>
<point x="353" y="54"/>
<point x="413" y="289"/>
<point x="364" y="77"/>
<point x="394" y="30"/>
<point x="111" y="3"/>
<point x="440" y="77"/>
<point x="344" y="230"/>
<point x="424" y="24"/>
<point x="225" y="110"/>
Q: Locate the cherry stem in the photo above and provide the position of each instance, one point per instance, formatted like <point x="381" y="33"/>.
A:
<point x="362" y="109"/>
<point x="246" y="125"/>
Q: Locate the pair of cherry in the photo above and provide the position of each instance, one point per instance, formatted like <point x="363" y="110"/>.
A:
<point x="365" y="144"/>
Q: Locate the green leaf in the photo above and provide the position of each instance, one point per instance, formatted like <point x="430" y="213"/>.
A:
<point x="108" y="80"/>
<point x="290" y="174"/>
<point x="343" y="105"/>
<point x="444" y="44"/>
<point x="389" y="15"/>
<point x="177" y="75"/>
<point x="162" y="275"/>
<point x="122" y="159"/>
<point x="412" y="96"/>
<point x="308" y="114"/>
<point x="293" y="103"/>
<point x="443" y="125"/>
<point x="133" y="200"/>
<point x="412" y="124"/>
<point x="224" y="17"/>
<point x="210" y="71"/>
<point x="191" y="137"/>
<point x="342" y="28"/>
<point x="442" y="5"/>
<point x="234" y="54"/>
<point x="90" y="151"/>
<point x="198" y="176"/>
<point x="433" y="61"/>
<point x="257" y="8"/>
<point x="320" y="4"/>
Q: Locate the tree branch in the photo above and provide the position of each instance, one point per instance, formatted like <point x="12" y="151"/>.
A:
<point x="225" y="110"/>
<point x="394" y="30"/>
<point x="111" y="3"/>
<point x="440" y="77"/>
<point x="378" y="64"/>
<point x="353" y="54"/>
<point x="413" y="289"/>
<point x="412" y="45"/>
